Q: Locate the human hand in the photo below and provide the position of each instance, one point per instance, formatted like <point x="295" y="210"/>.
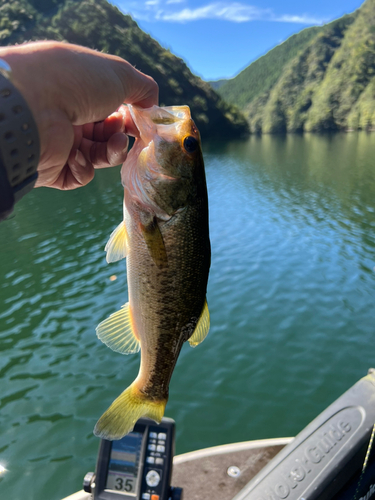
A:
<point x="75" y="95"/>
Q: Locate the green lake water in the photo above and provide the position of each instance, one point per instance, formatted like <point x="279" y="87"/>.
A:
<point x="291" y="295"/>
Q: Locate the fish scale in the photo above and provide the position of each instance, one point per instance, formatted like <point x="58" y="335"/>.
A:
<point x="170" y="298"/>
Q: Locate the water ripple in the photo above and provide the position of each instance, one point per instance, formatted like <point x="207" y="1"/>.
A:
<point x="291" y="298"/>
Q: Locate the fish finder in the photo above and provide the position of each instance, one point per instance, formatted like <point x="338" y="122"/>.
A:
<point x="136" y="467"/>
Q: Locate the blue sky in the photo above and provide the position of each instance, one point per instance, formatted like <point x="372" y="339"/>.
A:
<point x="217" y="39"/>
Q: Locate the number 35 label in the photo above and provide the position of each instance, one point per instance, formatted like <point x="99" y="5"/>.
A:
<point x="121" y="483"/>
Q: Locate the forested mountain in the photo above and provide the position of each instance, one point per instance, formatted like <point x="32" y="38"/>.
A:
<point x="99" y="25"/>
<point x="216" y="84"/>
<point x="263" y="73"/>
<point x="327" y="83"/>
<point x="290" y="102"/>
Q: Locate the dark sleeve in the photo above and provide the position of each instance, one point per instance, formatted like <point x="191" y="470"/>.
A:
<point x="19" y="146"/>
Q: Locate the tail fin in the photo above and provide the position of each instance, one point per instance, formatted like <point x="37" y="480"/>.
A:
<point x="124" y="412"/>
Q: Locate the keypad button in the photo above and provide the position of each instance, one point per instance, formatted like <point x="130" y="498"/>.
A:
<point x="150" y="460"/>
<point x="155" y="497"/>
<point x="152" y="447"/>
<point x="152" y="478"/>
<point x="159" y="461"/>
<point x="162" y="435"/>
<point x="160" y="448"/>
<point x="146" y="496"/>
<point x="153" y="435"/>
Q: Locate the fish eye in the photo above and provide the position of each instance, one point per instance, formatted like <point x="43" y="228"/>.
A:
<point x="190" y="144"/>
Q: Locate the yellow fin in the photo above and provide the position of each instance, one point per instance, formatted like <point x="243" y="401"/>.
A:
<point x="117" y="245"/>
<point x="155" y="243"/>
<point x="201" y="330"/>
<point x="117" y="332"/>
<point x="124" y="412"/>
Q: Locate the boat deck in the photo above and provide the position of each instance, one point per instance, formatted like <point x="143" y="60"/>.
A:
<point x="204" y="474"/>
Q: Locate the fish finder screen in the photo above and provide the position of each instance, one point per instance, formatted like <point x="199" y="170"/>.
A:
<point x="124" y="464"/>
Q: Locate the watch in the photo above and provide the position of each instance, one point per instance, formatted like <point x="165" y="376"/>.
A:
<point x="19" y="144"/>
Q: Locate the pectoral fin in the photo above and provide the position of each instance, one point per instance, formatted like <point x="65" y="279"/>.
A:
<point x="117" y="245"/>
<point x="201" y="330"/>
<point x="154" y="241"/>
<point x="117" y="332"/>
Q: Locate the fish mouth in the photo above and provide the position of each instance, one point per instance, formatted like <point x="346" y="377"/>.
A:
<point x="160" y="116"/>
<point x="166" y="121"/>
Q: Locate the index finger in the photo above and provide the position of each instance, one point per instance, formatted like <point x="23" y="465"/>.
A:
<point x="129" y="125"/>
<point x="139" y="89"/>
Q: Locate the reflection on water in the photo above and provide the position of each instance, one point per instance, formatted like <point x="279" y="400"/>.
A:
<point x="291" y="296"/>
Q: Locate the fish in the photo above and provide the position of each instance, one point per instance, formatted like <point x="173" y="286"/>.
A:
<point x="164" y="236"/>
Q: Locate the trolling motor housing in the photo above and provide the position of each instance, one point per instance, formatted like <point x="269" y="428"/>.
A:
<point x="325" y="460"/>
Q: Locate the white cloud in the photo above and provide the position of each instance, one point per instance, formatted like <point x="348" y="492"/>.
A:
<point x="305" y="19"/>
<point x="167" y="10"/>
<point x="235" y="12"/>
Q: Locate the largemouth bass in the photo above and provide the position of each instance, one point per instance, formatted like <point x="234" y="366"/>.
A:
<point x="165" y="239"/>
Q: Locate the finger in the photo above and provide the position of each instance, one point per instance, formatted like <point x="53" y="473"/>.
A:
<point x="47" y="177"/>
<point x="117" y="149"/>
<point x="75" y="173"/>
<point x="79" y="172"/>
<point x="140" y="89"/>
<point x="107" y="154"/>
<point x="87" y="131"/>
<point x="120" y="121"/>
<point x="102" y="131"/>
<point x="78" y="134"/>
<point x="129" y="125"/>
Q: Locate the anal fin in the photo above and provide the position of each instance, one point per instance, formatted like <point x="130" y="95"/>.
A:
<point x="203" y="325"/>
<point x="117" y="332"/>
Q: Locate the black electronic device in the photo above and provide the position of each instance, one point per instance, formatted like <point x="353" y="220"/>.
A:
<point x="138" y="466"/>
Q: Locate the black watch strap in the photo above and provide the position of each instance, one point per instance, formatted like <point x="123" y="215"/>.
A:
<point x="19" y="145"/>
